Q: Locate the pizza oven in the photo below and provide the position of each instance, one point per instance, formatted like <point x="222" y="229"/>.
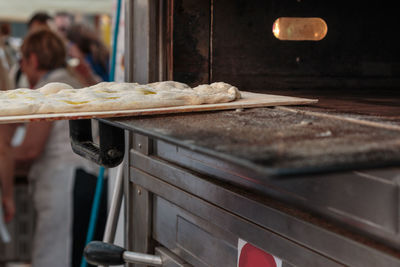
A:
<point x="314" y="185"/>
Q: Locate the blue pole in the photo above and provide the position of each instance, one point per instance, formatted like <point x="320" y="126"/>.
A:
<point x="95" y="209"/>
<point x="115" y="41"/>
<point x="100" y="177"/>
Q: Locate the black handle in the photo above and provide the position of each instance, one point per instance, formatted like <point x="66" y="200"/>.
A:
<point x="100" y="253"/>
<point x="110" y="150"/>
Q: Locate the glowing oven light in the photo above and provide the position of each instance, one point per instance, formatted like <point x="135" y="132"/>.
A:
<point x="299" y="29"/>
<point x="276" y="29"/>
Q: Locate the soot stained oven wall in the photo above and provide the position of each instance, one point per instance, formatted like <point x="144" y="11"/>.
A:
<point x="232" y="41"/>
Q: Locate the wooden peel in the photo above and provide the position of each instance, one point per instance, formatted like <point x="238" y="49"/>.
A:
<point x="248" y="100"/>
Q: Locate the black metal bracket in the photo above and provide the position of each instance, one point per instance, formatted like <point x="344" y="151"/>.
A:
<point x="110" y="150"/>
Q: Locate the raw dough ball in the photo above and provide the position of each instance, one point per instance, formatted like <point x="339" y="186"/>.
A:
<point x="53" y="88"/>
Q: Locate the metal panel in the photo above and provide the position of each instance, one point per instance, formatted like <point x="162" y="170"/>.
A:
<point x="142" y="143"/>
<point x="141" y="41"/>
<point x="129" y="37"/>
<point x="264" y="239"/>
<point x="305" y="229"/>
<point x="194" y="237"/>
<point x="190" y="236"/>
<point x="140" y="219"/>
<point x="137" y="212"/>
<point x="366" y="200"/>
<point x="170" y="259"/>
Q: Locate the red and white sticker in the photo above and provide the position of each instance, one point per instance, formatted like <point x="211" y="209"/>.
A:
<point x="252" y="256"/>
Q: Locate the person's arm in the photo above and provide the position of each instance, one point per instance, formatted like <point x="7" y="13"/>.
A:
<point x="7" y="171"/>
<point x="32" y="146"/>
<point x="82" y="71"/>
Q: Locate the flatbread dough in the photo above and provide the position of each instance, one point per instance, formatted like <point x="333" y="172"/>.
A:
<point x="112" y="96"/>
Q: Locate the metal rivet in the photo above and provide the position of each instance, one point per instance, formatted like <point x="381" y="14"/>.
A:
<point x="113" y="153"/>
<point x="139" y="192"/>
<point x="140" y="145"/>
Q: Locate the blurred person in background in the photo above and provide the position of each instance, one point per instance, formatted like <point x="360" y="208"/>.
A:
<point x="63" y="21"/>
<point x="7" y="171"/>
<point x="85" y="46"/>
<point x="8" y="55"/>
<point x="6" y="133"/>
<point x="5" y="82"/>
<point x="39" y="20"/>
<point x="6" y="161"/>
<point x="11" y="76"/>
<point x="47" y="145"/>
<point x="55" y="167"/>
<point x="77" y="62"/>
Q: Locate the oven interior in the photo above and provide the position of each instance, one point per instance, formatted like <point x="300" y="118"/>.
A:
<point x="353" y="70"/>
<point x="234" y="41"/>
